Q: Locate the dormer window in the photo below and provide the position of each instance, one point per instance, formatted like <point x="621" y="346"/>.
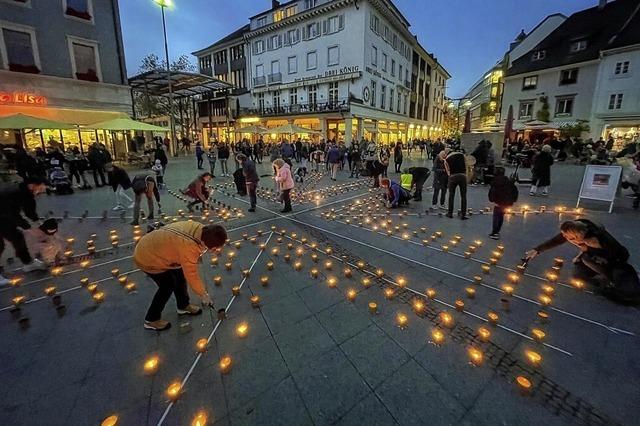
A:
<point x="539" y="55"/>
<point x="262" y="21"/>
<point x="578" y="46"/>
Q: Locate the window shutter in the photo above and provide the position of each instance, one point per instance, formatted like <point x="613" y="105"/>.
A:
<point x="341" y="23"/>
<point x="305" y="34"/>
<point x="269" y="43"/>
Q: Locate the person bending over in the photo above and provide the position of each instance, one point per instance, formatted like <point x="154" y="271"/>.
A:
<point x="602" y="260"/>
<point x="197" y="190"/>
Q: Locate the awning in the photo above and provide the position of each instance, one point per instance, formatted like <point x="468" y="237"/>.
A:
<point x="183" y="83"/>
<point x="64" y="115"/>
<point x="119" y="124"/>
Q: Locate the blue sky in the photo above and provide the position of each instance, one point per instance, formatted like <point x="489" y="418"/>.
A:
<point x="467" y="36"/>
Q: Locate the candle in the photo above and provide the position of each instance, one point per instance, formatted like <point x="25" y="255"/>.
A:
<point x="242" y="329"/>
<point x="373" y="307"/>
<point x="98" y="297"/>
<point x="437" y="337"/>
<point x="328" y="265"/>
<point x="332" y="282"/>
<point x="202" y="345"/>
<point x="418" y="306"/>
<point x="130" y="287"/>
<point x="389" y="293"/>
<point x="351" y="295"/>
<point x="513" y="277"/>
<point x="486" y="269"/>
<point x="275" y="251"/>
<point x="493" y="317"/>
<point x="472" y="248"/>
<point x="114" y="243"/>
<point x="299" y="252"/>
<point x="110" y="421"/>
<point x="314" y="272"/>
<point x="84" y="282"/>
<point x="314" y="257"/>
<point x="246" y="273"/>
<point x="459" y="304"/>
<point x="577" y="284"/>
<point x="379" y="272"/>
<point x="538" y="335"/>
<point x="467" y="254"/>
<point x="297" y="265"/>
<point x="471" y="292"/>
<point x="521" y="269"/>
<point x="328" y="250"/>
<point x="548" y="289"/>
<point x="438" y="234"/>
<point x="235" y="290"/>
<point x="493" y="261"/>
<point x="214" y="261"/>
<point x="401" y="282"/>
<point x="475" y="356"/>
<point x="544" y="300"/>
<point x="270" y="265"/>
<point x="445" y="248"/>
<point x="477" y="279"/>
<point x="200" y="419"/>
<point x="151" y="364"/>
<point x="552" y="277"/>
<point x="402" y="320"/>
<point x="93" y="287"/>
<point x="228" y="266"/>
<point x="524" y="385"/>
<point x="174" y="390"/>
<point x="543" y="316"/>
<point x="533" y="357"/>
<point x="85" y="264"/>
<point x="507" y="289"/>
<point x="255" y="300"/>
<point x="478" y="243"/>
<point x="50" y="291"/>
<point x="18" y="300"/>
<point x="347" y="272"/>
<point x="287" y="257"/>
<point x="366" y="282"/>
<point x="361" y="264"/>
<point x="558" y="261"/>
<point x="446" y="319"/>
<point x="15" y="282"/>
<point x="56" y="271"/>
<point x="431" y="293"/>
<point x="122" y="279"/>
<point x="484" y="334"/>
<point x="225" y="364"/>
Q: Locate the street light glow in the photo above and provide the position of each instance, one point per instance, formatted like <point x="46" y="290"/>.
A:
<point x="164" y="3"/>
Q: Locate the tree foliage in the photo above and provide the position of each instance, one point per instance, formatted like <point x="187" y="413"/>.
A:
<point x="574" y="130"/>
<point x="543" y="113"/>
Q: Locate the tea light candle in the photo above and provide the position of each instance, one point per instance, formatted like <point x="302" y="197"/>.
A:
<point x="93" y="287"/>
<point x="401" y="282"/>
<point x="543" y="316"/>
<point x="351" y="295"/>
<point x="328" y="265"/>
<point x="18" y="300"/>
<point x="174" y="390"/>
<point x="235" y="290"/>
<point x="130" y="287"/>
<point x="513" y="277"/>
<point x="493" y="261"/>
<point x="551" y="277"/>
<point x="297" y="266"/>
<point x="538" y="335"/>
<point x="484" y="334"/>
<point x="521" y="269"/>
<point x="361" y="264"/>
<point x="389" y="293"/>
<point x="114" y="243"/>
<point x="332" y="282"/>
<point x="467" y="254"/>
<point x="577" y="284"/>
<point x="472" y="248"/>
<point x="50" y="291"/>
<point x="446" y="318"/>
<point x="300" y="252"/>
<point x="437" y="337"/>
<point x="122" y="279"/>
<point x="98" y="297"/>
<point x="545" y="300"/>
<point x="225" y="364"/>
<point x="214" y="261"/>
<point x="558" y="261"/>
<point x="439" y="234"/>
<point x="524" y="385"/>
<point x="110" y="421"/>
<point x="478" y="243"/>
<point x="475" y="356"/>
<point x="202" y="345"/>
<point x="242" y="329"/>
<point x="84" y="282"/>
<point x="200" y="419"/>
<point x="418" y="306"/>
<point x="287" y="257"/>
<point x="314" y="257"/>
<point x="314" y="273"/>
<point x="347" y="272"/>
<point x="431" y="293"/>
<point x="486" y="269"/>
<point x="85" y="264"/>
<point x="379" y="272"/>
<point x="246" y="273"/>
<point x="402" y="320"/>
<point x="471" y="292"/>
<point x="57" y="271"/>
<point x="533" y="357"/>
<point x="366" y="282"/>
<point x="228" y="266"/>
<point x="270" y="265"/>
<point x="493" y="317"/>
<point x="255" y="300"/>
<point x="328" y="250"/>
<point x="15" y="282"/>
<point x="445" y="248"/>
<point x="508" y="290"/>
<point x="373" y="307"/>
<point x="275" y="251"/>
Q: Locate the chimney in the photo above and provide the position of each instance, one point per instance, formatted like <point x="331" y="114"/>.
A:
<point x="276" y="4"/>
<point x="602" y="4"/>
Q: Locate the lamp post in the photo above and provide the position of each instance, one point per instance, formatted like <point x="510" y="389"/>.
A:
<point x="467" y="103"/>
<point x="164" y="4"/>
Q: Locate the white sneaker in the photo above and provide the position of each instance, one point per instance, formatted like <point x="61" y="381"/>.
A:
<point x="35" y="264"/>
<point x="4" y="281"/>
<point x="118" y="207"/>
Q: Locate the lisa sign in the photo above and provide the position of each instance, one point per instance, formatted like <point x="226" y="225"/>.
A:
<point x="22" y="98"/>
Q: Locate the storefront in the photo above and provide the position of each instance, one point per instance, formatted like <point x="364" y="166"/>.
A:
<point x="622" y="134"/>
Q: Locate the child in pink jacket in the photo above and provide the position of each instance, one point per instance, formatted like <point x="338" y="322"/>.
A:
<point x="285" y="182"/>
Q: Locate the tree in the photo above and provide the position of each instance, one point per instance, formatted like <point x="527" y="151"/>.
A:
<point x="574" y="130"/>
<point x="543" y="113"/>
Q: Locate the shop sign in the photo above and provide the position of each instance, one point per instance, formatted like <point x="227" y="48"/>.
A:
<point x="332" y="73"/>
<point x="22" y="98"/>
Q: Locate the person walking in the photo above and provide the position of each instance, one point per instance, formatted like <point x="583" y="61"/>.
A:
<point x="440" y="179"/>
<point x="212" y="157"/>
<point x="541" y="171"/>
<point x="223" y="156"/>
<point x="97" y="165"/>
<point x="251" y="179"/>
<point x="503" y="193"/>
<point x="456" y="167"/>
<point x="355" y="160"/>
<point x="169" y="256"/>
<point x="15" y="200"/>
<point x="120" y="182"/>
<point x="334" y="159"/>
<point x="161" y="155"/>
<point x="397" y="157"/>
<point x="144" y="185"/>
<point x="284" y="179"/>
<point x="199" y="155"/>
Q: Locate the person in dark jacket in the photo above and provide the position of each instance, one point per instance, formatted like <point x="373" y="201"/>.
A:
<point x="161" y="155"/>
<point x="15" y="200"/>
<point x="96" y="164"/>
<point x="251" y="179"/>
<point x="456" y="167"/>
<point x="395" y="195"/>
<point x="602" y="260"/>
<point x="144" y="185"/>
<point x="199" y="155"/>
<point x="440" y="179"/>
<point x="120" y="182"/>
<point x="355" y="160"/>
<point x="377" y="168"/>
<point x="420" y="176"/>
<point x="397" y="157"/>
<point x="503" y="193"/>
<point x="541" y="171"/>
<point x="334" y="158"/>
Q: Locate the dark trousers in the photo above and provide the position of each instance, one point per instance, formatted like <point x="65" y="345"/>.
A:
<point x="251" y="190"/>
<point x="11" y="233"/>
<point x="168" y="282"/>
<point x="498" y="219"/>
<point x="398" y="166"/>
<point x="286" y="197"/>
<point x="441" y="189"/>
<point x="458" y="180"/>
<point x="200" y="161"/>
<point x="99" y="171"/>
<point x="419" y="185"/>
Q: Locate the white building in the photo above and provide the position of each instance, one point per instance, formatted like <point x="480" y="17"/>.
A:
<point x="342" y="67"/>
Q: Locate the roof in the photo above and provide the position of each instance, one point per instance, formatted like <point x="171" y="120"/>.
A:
<point x="274" y="7"/>
<point x="629" y="34"/>
<point x="595" y="25"/>
<point x="183" y="83"/>
<point x="236" y="35"/>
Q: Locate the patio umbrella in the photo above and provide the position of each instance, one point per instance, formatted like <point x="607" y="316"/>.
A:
<point x="252" y="129"/>
<point x="467" y="122"/>
<point x="120" y="124"/>
<point x="22" y="121"/>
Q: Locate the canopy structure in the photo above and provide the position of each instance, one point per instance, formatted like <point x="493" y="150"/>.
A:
<point x="252" y="129"/>
<point x="22" y="121"/>
<point x="183" y="84"/>
<point x="291" y="129"/>
<point x="119" y="124"/>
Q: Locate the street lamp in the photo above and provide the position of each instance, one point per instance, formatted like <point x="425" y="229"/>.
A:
<point x="163" y="4"/>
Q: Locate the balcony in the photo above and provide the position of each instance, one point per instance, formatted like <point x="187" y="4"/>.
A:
<point x="298" y="109"/>
<point x="259" y="81"/>
<point x="275" y="78"/>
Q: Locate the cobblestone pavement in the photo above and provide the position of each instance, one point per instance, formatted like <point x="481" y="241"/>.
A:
<point x="451" y="331"/>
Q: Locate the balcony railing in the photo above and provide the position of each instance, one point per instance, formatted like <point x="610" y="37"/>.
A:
<point x="259" y="81"/>
<point x="275" y="78"/>
<point x="304" y="108"/>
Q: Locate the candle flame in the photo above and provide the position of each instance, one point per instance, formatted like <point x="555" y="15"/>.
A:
<point x="151" y="364"/>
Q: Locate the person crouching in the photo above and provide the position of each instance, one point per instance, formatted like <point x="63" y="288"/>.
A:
<point x="395" y="195"/>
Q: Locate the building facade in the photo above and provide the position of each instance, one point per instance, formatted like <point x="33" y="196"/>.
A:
<point x="62" y="60"/>
<point x="340" y="67"/>
<point x="225" y="60"/>
<point x="568" y="78"/>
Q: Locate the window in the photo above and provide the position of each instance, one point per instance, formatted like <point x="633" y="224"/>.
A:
<point x="84" y="60"/>
<point x="278" y="15"/>
<point x="373" y="93"/>
<point x="312" y="60"/>
<point x="384" y="62"/>
<point x="293" y="96"/>
<point x="383" y="96"/>
<point x="261" y="101"/>
<point x="312" y="30"/>
<point x="564" y="107"/>
<point x="310" y="4"/>
<point x="260" y="70"/>
<point x="276" y="99"/>
<point x="292" y="64"/>
<point x="577" y="46"/>
<point x="391" y="96"/>
<point x="539" y="55"/>
<point x="395" y="42"/>
<point x="261" y="22"/>
<point x="530" y="83"/>
<point x="81" y="9"/>
<point x="615" y="101"/>
<point x="374" y="56"/>
<point x="399" y="102"/>
<point x="220" y="57"/>
<point x="404" y="99"/>
<point x="275" y="67"/>
<point x="275" y="42"/>
<point x="19" y="51"/>
<point x="526" y="110"/>
<point x="312" y="93"/>
<point x="393" y="67"/>
<point x="291" y="10"/>
<point x="292" y="37"/>
<point x="333" y="92"/>
<point x="334" y="24"/>
<point x="569" y="76"/>
<point x="258" y="47"/>
<point x="375" y="24"/>
<point x="333" y="55"/>
<point x="622" y="68"/>
<point x="237" y="52"/>
<point x="205" y="62"/>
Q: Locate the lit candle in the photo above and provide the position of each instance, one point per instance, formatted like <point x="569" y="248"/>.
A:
<point x="472" y="248"/>
<point x="478" y="243"/>
<point x="228" y="266"/>
<point x="98" y="297"/>
<point x="533" y="357"/>
<point x="351" y="295"/>
<point x="328" y="265"/>
<point x="93" y="287"/>
<point x="174" y="390"/>
<point x="543" y="316"/>
<point x="431" y="293"/>
<point x="56" y="271"/>
<point x="122" y="279"/>
<point x="275" y="251"/>
<point x="242" y="329"/>
<point x="130" y="287"/>
<point x="459" y="304"/>
<point x="493" y="261"/>
<point x="314" y="272"/>
<point x="493" y="317"/>
<point x="484" y="334"/>
<point x="297" y="265"/>
<point x="447" y="319"/>
<point x="577" y="284"/>
<point x="361" y="264"/>
<point x="439" y="234"/>
<point x="548" y="289"/>
<point x="401" y="282"/>
<point x="389" y="293"/>
<point x="513" y="277"/>
<point x="225" y="364"/>
<point x="50" y="291"/>
<point x="85" y="264"/>
<point x="15" y="282"/>
<point x="151" y="364"/>
<point x="545" y="300"/>
<point x="246" y="273"/>
<point x="552" y="277"/>
<point x="402" y="320"/>
<point x="486" y="269"/>
<point x="379" y="272"/>
<point x="471" y="292"/>
<point x="287" y="257"/>
<point x="445" y="248"/>
<point x="508" y="290"/>
<point x="270" y="265"/>
<point x="214" y="260"/>
<point x="200" y="419"/>
<point x="418" y="306"/>
<point x="467" y="254"/>
<point x="475" y="356"/>
<point x="202" y="345"/>
<point x="538" y="335"/>
<point x="366" y="282"/>
<point x="437" y="337"/>
<point x="477" y="279"/>
<point x="84" y="282"/>
<point x="524" y="385"/>
<point x="347" y="272"/>
<point x="110" y="421"/>
<point x="373" y="307"/>
<point x="235" y="290"/>
<point x="18" y="300"/>
<point x="332" y="282"/>
<point x="314" y="257"/>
